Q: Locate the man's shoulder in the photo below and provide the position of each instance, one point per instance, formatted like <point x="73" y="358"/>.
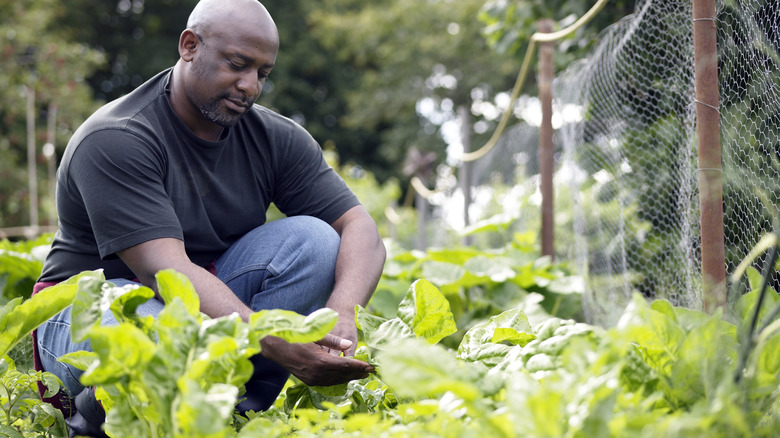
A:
<point x="133" y="111"/>
<point x="274" y="124"/>
<point x="271" y="117"/>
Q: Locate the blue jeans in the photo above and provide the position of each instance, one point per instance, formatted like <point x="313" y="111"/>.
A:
<point x="286" y="264"/>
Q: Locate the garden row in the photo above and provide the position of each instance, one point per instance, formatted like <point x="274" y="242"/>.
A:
<point x="466" y="343"/>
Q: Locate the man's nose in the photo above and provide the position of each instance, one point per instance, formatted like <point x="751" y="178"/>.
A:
<point x="249" y="84"/>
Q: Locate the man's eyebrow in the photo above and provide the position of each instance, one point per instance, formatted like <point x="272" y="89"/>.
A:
<point x="249" y="59"/>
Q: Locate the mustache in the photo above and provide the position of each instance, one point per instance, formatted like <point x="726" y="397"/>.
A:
<point x="240" y="99"/>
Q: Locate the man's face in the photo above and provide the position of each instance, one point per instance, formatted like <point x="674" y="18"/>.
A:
<point x="228" y="74"/>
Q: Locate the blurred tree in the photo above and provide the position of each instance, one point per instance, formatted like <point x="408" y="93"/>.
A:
<point x="35" y="56"/>
<point x="138" y="38"/>
<point x="310" y="84"/>
<point x="418" y="62"/>
<point x="510" y="24"/>
<point x="370" y="80"/>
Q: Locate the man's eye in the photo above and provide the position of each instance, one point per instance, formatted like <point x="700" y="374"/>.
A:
<point x="235" y="66"/>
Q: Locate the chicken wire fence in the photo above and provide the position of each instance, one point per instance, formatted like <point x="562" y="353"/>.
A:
<point x="630" y="159"/>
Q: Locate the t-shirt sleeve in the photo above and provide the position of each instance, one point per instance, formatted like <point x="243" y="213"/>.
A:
<point x="306" y="184"/>
<point x="119" y="179"/>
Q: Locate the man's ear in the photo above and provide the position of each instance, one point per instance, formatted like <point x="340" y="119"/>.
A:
<point x="188" y="44"/>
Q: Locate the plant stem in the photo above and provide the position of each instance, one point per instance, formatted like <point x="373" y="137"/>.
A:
<point x="750" y="337"/>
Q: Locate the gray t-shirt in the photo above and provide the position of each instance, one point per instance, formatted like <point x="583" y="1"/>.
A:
<point x="134" y="172"/>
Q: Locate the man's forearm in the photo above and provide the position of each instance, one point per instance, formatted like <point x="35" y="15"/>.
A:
<point x="216" y="298"/>
<point x="359" y="266"/>
<point x="146" y="259"/>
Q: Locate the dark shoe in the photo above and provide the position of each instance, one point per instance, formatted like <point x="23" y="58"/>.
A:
<point x="89" y="416"/>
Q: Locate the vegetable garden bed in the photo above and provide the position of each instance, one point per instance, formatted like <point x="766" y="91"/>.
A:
<point x="466" y="343"/>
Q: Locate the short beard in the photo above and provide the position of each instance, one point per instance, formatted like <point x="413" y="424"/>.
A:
<point x="214" y="113"/>
<point x="212" y="110"/>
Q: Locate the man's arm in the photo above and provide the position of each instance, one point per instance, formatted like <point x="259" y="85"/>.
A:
<point x="359" y="265"/>
<point x="148" y="258"/>
<point x="309" y="362"/>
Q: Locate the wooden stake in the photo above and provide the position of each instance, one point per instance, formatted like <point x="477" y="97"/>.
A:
<point x="705" y="58"/>
<point x="546" y="164"/>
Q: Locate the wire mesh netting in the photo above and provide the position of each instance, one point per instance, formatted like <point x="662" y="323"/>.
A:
<point x="630" y="161"/>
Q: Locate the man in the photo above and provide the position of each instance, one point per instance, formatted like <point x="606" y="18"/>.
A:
<point x="179" y="174"/>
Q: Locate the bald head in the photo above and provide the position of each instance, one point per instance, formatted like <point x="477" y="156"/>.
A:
<point x="226" y="54"/>
<point x="214" y="17"/>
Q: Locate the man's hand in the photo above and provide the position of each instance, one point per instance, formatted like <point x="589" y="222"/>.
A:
<point x="345" y="329"/>
<point x="313" y="364"/>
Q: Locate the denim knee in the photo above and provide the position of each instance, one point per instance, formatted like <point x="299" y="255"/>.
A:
<point x="285" y="264"/>
<point x="318" y="237"/>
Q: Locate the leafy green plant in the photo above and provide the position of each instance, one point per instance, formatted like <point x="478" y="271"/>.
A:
<point x="481" y="283"/>
<point x="178" y="374"/>
<point x="662" y="371"/>
<point x="20" y="266"/>
<point x="23" y="412"/>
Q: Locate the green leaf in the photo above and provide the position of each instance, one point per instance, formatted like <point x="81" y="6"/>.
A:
<point x="658" y="334"/>
<point x="19" y="270"/>
<point x="293" y="327"/>
<point x="706" y="356"/>
<point x="80" y="359"/>
<point x="123" y="350"/>
<point x="332" y="391"/>
<point x="456" y="256"/>
<point x="6" y="310"/>
<point x="427" y="312"/>
<point x="496" y="269"/>
<point x="172" y="284"/>
<point x="205" y="413"/>
<point x="93" y="298"/>
<point x="52" y="384"/>
<point x="9" y="432"/>
<point x="746" y="305"/>
<point x="409" y="369"/>
<point x="442" y="273"/>
<point x="124" y="307"/>
<point x="688" y="319"/>
<point x="177" y="333"/>
<point x="221" y="352"/>
<point x="511" y="336"/>
<point x="378" y="332"/>
<point x="497" y="223"/>
<point x="636" y="373"/>
<point x="478" y="343"/>
<point x="21" y="319"/>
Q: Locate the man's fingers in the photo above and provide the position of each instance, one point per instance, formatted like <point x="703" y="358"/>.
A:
<point x="359" y="365"/>
<point x="334" y="342"/>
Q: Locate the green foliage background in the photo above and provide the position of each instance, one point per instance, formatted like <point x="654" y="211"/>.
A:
<point x="351" y="72"/>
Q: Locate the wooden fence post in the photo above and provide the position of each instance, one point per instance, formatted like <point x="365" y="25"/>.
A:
<point x="32" y="175"/>
<point x="705" y="58"/>
<point x="546" y="164"/>
<point x="464" y="114"/>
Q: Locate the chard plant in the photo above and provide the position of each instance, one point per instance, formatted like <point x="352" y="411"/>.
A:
<point x="178" y="375"/>
<point x="443" y="368"/>
<point x="20" y="265"/>
<point x="662" y="371"/>
<point x="479" y="283"/>
<point x="24" y="413"/>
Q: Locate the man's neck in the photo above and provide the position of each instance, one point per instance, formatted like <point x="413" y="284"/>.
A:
<point x="188" y="113"/>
